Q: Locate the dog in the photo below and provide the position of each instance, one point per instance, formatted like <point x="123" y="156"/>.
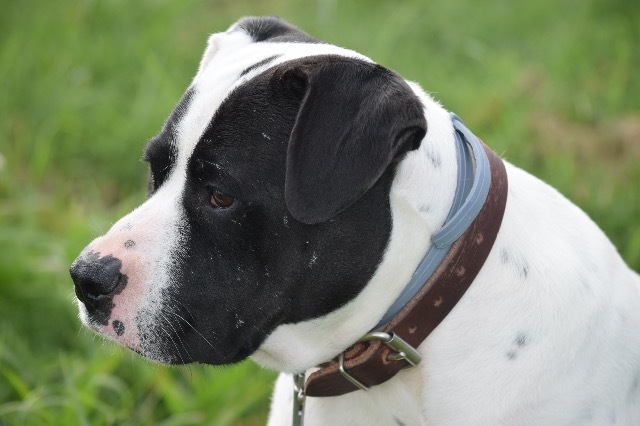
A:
<point x="293" y="192"/>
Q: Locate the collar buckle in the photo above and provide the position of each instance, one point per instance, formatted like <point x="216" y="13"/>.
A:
<point x="402" y="351"/>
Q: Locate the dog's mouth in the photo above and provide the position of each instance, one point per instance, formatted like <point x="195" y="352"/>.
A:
<point x="170" y="335"/>
<point x="119" y="330"/>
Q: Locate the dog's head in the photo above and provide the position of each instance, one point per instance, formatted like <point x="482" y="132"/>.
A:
<point x="268" y="199"/>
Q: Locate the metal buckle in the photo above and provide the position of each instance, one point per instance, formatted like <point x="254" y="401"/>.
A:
<point x="348" y="376"/>
<point x="402" y="349"/>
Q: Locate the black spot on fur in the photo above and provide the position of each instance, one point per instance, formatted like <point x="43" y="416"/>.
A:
<point x="129" y="244"/>
<point x="118" y="327"/>
<point x="521" y="340"/>
<point x="504" y="256"/>
<point x="516" y="261"/>
<point x="434" y="158"/>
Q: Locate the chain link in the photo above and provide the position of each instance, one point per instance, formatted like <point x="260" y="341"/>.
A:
<point x="298" y="400"/>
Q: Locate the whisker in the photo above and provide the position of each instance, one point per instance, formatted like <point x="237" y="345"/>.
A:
<point x="181" y="305"/>
<point x="183" y="345"/>
<point x="173" y="343"/>
<point x="176" y="334"/>
<point x="216" y="350"/>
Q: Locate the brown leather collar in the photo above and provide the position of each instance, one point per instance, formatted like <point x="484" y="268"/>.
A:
<point x="373" y="362"/>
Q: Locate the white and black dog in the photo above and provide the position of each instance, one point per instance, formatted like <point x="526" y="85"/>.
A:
<point x="293" y="192"/>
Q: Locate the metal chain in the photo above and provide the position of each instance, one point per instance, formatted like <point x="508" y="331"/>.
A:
<point x="298" y="400"/>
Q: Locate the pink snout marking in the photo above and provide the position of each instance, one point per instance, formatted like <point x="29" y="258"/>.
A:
<point x="125" y="246"/>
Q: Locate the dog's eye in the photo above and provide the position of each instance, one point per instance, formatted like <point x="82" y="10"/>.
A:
<point x="219" y="199"/>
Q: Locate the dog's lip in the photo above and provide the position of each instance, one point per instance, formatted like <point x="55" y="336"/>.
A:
<point x="88" y="321"/>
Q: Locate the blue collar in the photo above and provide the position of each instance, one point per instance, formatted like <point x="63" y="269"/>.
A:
<point x="471" y="192"/>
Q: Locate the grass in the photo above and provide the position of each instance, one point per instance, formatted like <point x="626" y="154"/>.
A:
<point x="84" y="83"/>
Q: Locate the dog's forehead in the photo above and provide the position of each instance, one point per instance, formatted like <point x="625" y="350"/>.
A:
<point x="233" y="59"/>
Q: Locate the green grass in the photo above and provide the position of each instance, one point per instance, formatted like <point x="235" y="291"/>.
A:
<point x="84" y="83"/>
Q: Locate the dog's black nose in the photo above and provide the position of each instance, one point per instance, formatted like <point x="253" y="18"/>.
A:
<point x="96" y="278"/>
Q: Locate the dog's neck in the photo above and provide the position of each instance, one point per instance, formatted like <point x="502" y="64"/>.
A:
<point x="420" y="198"/>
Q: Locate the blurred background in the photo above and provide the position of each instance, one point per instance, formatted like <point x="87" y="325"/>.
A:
<point x="552" y="85"/>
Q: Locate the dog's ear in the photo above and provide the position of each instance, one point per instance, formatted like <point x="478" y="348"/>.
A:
<point x="355" y="119"/>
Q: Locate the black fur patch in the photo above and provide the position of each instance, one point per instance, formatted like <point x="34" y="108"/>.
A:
<point x="245" y="269"/>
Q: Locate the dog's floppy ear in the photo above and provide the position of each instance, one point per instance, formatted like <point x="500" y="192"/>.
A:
<point x="355" y="119"/>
